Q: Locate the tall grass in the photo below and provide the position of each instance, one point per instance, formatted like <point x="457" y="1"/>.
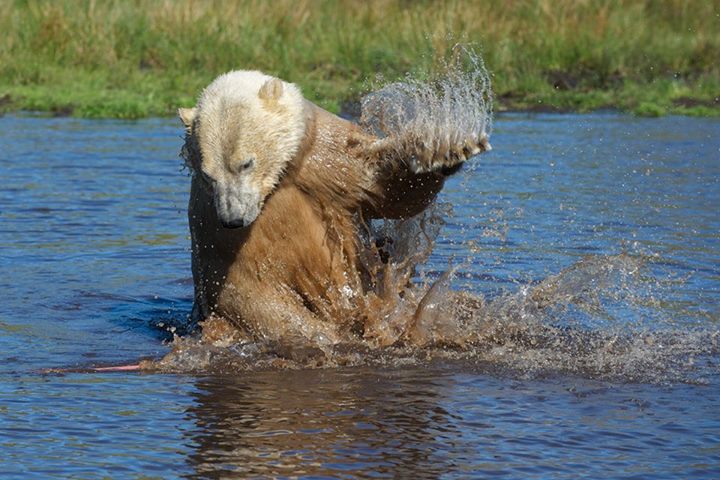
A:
<point x="132" y="58"/>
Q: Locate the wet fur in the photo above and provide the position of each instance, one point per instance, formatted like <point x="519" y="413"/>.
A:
<point x="296" y="271"/>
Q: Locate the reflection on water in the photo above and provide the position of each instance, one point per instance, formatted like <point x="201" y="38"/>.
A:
<point x="93" y="251"/>
<point x="433" y="422"/>
<point x="302" y="423"/>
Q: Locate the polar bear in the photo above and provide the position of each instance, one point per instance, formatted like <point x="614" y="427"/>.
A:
<point x="282" y="190"/>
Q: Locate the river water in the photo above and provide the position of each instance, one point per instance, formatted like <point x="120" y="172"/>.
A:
<point x="615" y="215"/>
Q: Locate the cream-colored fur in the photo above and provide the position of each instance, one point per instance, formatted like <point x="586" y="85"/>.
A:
<point x="294" y="270"/>
<point x="248" y="125"/>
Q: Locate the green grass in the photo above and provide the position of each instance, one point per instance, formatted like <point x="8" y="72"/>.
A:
<point x="136" y="58"/>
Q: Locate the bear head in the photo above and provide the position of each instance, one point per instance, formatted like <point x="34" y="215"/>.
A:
<point x="244" y="131"/>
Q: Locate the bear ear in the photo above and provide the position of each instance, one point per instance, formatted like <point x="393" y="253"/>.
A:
<point x="187" y="115"/>
<point x="271" y="92"/>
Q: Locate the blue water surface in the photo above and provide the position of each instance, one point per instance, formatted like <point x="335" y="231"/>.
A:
<point x="94" y="252"/>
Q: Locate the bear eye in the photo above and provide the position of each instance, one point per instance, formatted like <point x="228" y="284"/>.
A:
<point x="248" y="164"/>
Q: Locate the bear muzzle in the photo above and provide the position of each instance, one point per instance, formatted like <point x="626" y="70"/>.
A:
<point x="236" y="207"/>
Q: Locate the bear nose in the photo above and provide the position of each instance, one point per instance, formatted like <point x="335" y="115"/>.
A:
<point x="237" y="223"/>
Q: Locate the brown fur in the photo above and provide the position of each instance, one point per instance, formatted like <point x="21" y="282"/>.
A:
<point x="295" y="271"/>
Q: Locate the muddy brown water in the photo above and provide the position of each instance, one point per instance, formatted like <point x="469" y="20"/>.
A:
<point x="607" y="222"/>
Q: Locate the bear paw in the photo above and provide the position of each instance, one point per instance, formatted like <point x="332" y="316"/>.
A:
<point x="447" y="159"/>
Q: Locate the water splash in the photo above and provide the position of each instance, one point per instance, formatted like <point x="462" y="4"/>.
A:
<point x="539" y="330"/>
<point x="454" y="107"/>
<point x="563" y="324"/>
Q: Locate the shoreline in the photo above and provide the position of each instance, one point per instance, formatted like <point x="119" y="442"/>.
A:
<point x="686" y="105"/>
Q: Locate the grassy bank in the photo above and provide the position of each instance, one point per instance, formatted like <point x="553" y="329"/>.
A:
<point x="135" y="58"/>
